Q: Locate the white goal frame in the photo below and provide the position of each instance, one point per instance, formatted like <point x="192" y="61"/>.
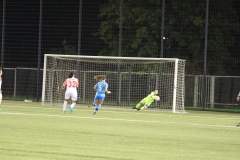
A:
<point x="165" y="74"/>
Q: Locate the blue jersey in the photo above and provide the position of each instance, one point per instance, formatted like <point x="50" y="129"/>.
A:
<point x="100" y="94"/>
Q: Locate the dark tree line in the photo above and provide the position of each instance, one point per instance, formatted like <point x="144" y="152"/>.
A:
<point x="184" y="32"/>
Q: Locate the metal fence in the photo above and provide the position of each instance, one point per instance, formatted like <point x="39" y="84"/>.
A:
<point x="130" y="28"/>
<point x="21" y="84"/>
<point x="204" y="33"/>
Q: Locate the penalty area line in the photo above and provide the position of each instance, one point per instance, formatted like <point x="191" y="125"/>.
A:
<point x="111" y="119"/>
<point x="128" y="111"/>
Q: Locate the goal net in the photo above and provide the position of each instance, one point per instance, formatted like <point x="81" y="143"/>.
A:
<point x="130" y="79"/>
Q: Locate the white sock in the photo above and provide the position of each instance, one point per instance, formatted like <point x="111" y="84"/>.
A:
<point x="73" y="105"/>
<point x="65" y="105"/>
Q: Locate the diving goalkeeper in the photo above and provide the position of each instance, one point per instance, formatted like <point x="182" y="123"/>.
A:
<point x="145" y="102"/>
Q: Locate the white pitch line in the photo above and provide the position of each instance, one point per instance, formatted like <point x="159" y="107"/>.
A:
<point x="19" y="106"/>
<point x="158" y="113"/>
<point x="111" y="119"/>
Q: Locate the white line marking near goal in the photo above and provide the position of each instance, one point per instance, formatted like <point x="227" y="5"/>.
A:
<point x="111" y="119"/>
<point x="20" y="106"/>
<point x="129" y="111"/>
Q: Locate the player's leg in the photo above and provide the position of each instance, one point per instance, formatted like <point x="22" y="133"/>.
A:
<point x="92" y="104"/>
<point x="0" y="97"/>
<point x="98" y="100"/>
<point x="72" y="105"/>
<point x="145" y="105"/>
<point x="65" y="102"/>
<point x="65" y="105"/>
<point x="99" y="103"/>
<point x="74" y="101"/>
<point x="97" y="106"/>
<point x="138" y="106"/>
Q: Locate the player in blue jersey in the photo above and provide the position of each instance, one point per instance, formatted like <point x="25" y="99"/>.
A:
<point x="101" y="89"/>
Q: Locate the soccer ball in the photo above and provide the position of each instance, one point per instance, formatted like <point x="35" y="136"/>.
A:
<point x="157" y="98"/>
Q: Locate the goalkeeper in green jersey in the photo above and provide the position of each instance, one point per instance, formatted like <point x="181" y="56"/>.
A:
<point x="145" y="102"/>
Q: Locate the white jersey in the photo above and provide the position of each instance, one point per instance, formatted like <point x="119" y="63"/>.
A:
<point x="71" y="91"/>
<point x="0" y="82"/>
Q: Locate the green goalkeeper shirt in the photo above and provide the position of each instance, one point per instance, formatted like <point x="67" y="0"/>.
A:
<point x="149" y="99"/>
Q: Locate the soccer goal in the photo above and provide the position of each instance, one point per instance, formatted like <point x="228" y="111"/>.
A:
<point x="130" y="79"/>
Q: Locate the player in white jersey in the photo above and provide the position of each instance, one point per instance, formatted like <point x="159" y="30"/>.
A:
<point x="71" y="92"/>
<point x="238" y="99"/>
<point x="1" y="85"/>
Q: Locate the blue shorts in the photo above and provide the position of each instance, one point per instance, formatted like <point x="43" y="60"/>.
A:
<point x="99" y="97"/>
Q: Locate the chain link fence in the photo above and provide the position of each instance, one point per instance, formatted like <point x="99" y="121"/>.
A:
<point x="129" y="28"/>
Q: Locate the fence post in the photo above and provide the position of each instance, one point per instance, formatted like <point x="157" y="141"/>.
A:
<point x="3" y="34"/>
<point x="195" y="98"/>
<point x="212" y="88"/>
<point x="15" y="83"/>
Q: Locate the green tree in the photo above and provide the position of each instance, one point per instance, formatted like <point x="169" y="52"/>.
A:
<point x="141" y="32"/>
<point x="184" y="31"/>
<point x="66" y="49"/>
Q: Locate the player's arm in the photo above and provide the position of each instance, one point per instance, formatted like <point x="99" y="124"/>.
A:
<point x="95" y="87"/>
<point x="238" y="97"/>
<point x="107" y="91"/>
<point x="77" y="83"/>
<point x="153" y="94"/>
<point x="64" y="84"/>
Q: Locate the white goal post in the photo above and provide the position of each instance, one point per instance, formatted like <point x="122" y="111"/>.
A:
<point x="130" y="79"/>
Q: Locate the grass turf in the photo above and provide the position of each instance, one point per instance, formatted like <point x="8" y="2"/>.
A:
<point x="32" y="131"/>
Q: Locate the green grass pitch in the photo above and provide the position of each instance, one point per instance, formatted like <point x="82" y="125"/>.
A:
<point x="30" y="131"/>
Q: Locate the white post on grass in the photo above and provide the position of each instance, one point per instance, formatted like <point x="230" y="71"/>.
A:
<point x="175" y="86"/>
<point x="44" y="78"/>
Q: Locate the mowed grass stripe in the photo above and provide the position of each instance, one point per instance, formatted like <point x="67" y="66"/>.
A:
<point x="193" y="114"/>
<point x="116" y="119"/>
<point x="32" y="131"/>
